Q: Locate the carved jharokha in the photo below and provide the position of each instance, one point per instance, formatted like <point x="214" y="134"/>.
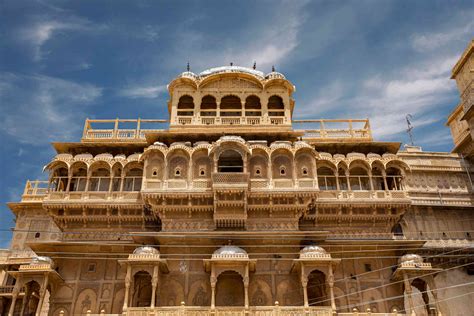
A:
<point x="137" y="220"/>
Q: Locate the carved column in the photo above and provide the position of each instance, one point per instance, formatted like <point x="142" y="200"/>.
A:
<point x="43" y="289"/>
<point x="434" y="291"/>
<point x="304" y="282"/>
<point x="25" y="299"/>
<point x="348" y="181"/>
<point x="127" y="287"/>
<point x="293" y="172"/>
<point x="331" y="288"/>
<point x="384" y="176"/>
<point x="408" y="291"/>
<point x="246" y="286"/>
<point x="16" y="290"/>
<point x="338" y="187"/>
<point x="371" y="183"/>
<point x="213" y="288"/>
<point x="270" y="172"/>
<point x="154" y="283"/>
<point x="68" y="183"/>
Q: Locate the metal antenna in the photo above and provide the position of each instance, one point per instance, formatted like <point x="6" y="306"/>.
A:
<point x="410" y="128"/>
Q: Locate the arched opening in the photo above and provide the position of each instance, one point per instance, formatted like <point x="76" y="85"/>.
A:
<point x="178" y="168"/>
<point x="230" y="161"/>
<point x="32" y="292"/>
<point x="99" y="180"/>
<point x="326" y="178"/>
<point x="342" y="178"/>
<point x="394" y="179"/>
<point x="397" y="230"/>
<point x="282" y="166"/>
<point x="359" y="179"/>
<point x="133" y="179"/>
<point x="59" y="179"/>
<point x="317" y="295"/>
<point x="421" y="299"/>
<point x="377" y="179"/>
<point x="142" y="289"/>
<point x="78" y="179"/>
<point x="208" y="106"/>
<point x="253" y="106"/>
<point x="230" y="289"/>
<point x="231" y="106"/>
<point x="116" y="177"/>
<point x="186" y="106"/>
<point x="276" y="107"/>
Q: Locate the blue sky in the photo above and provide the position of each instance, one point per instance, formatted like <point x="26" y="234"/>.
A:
<point x="63" y="61"/>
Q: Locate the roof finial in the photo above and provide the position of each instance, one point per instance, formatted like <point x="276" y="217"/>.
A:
<point x="187" y="67"/>
<point x="273" y="68"/>
<point x="254" y="65"/>
<point x="231" y="63"/>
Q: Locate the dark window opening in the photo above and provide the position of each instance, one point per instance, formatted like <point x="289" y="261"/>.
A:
<point x="208" y="103"/>
<point x="368" y="267"/>
<point x="91" y="267"/>
<point x="37" y="235"/>
<point x="231" y="102"/>
<point x="275" y="103"/>
<point x="230" y="161"/>
<point x="186" y="103"/>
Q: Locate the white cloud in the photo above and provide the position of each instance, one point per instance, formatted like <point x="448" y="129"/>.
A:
<point x="149" y="92"/>
<point x="39" y="33"/>
<point x="35" y="108"/>
<point x="431" y="41"/>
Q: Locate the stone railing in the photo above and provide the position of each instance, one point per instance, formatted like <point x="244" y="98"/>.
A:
<point x="422" y="265"/>
<point x="143" y="257"/>
<point x="232" y="311"/>
<point x="35" y="267"/>
<point x="8" y="289"/>
<point x="230" y="179"/>
<point x="100" y="130"/>
<point x="35" y="190"/>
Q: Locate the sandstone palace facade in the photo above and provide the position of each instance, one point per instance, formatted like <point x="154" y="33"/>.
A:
<point x="232" y="207"/>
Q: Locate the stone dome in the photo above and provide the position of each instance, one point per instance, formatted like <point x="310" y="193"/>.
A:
<point x="230" y="251"/>
<point x="38" y="260"/>
<point x="411" y="258"/>
<point x="146" y="250"/>
<point x="313" y="251"/>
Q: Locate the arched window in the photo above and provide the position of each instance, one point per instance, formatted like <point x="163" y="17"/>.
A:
<point x="397" y="230"/>
<point x="59" y="179"/>
<point x="276" y="106"/>
<point x="253" y="106"/>
<point x="342" y="178"/>
<point x="100" y="180"/>
<point x="230" y="106"/>
<point x="208" y="106"/>
<point x="230" y="161"/>
<point x="143" y="289"/>
<point x="78" y="179"/>
<point x="394" y="179"/>
<point x="377" y="179"/>
<point x="133" y="180"/>
<point x="317" y="295"/>
<point x="359" y="179"/>
<point x="326" y="179"/>
<point x="186" y="106"/>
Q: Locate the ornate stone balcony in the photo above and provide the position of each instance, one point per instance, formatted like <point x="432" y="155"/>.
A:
<point x="251" y="311"/>
<point x="119" y="130"/>
<point x="231" y="311"/>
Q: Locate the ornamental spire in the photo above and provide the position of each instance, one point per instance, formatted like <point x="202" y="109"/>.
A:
<point x="187" y="67"/>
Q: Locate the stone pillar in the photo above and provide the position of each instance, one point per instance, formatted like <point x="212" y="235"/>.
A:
<point x="154" y="283"/>
<point x="338" y="187"/>
<point x="304" y="282"/>
<point x="68" y="183"/>
<point x="43" y="289"/>
<point x="434" y="291"/>
<point x="246" y="286"/>
<point x="371" y="183"/>
<point x="409" y="291"/>
<point x="213" y="288"/>
<point x="331" y="288"/>
<point x="16" y="290"/>
<point x="24" y="300"/>
<point x="127" y="287"/>
<point x="384" y="176"/>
